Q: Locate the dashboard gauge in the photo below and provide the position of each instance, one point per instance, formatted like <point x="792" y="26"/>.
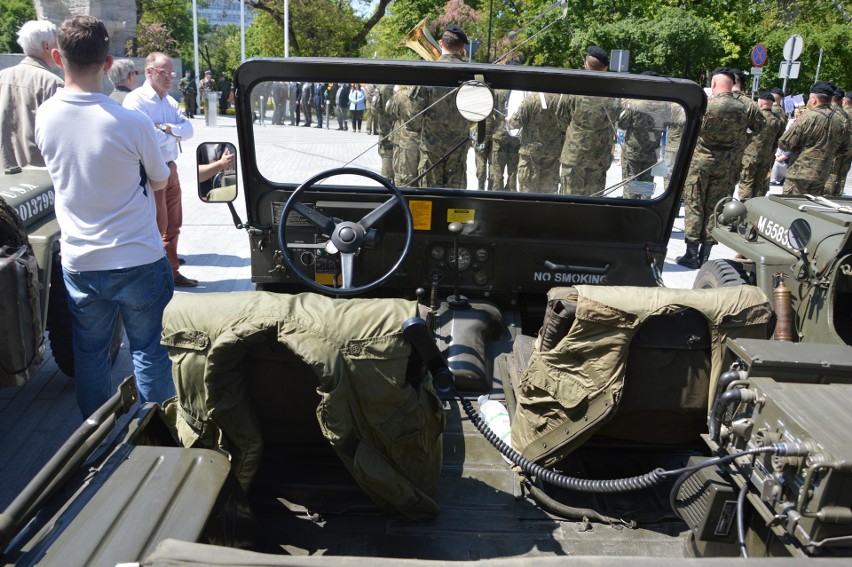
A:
<point x="437" y="253"/>
<point x="463" y="259"/>
<point x="481" y="255"/>
<point x="480" y="277"/>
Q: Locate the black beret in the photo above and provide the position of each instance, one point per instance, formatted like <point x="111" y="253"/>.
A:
<point x="457" y="31"/>
<point x="777" y="90"/>
<point x="838" y="92"/>
<point x="740" y="76"/>
<point x="727" y="71"/>
<point x="823" y="88"/>
<point x="598" y="54"/>
<point x="766" y="95"/>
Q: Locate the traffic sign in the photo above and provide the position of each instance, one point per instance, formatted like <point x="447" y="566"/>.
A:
<point x="758" y="55"/>
<point x="789" y="70"/>
<point x="793" y="47"/>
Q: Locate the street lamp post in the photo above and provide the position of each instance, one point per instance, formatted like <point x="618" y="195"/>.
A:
<point x="195" y="47"/>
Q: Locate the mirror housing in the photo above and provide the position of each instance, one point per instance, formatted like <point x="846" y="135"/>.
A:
<point x="475" y="101"/>
<point x="217" y="172"/>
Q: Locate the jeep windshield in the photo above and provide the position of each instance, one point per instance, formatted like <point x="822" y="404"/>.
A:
<point x="514" y="234"/>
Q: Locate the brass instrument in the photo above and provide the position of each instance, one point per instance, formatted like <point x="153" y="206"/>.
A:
<point x="421" y="42"/>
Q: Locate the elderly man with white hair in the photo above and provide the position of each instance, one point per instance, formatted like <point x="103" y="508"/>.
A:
<point x="123" y="75"/>
<point x="23" y="88"/>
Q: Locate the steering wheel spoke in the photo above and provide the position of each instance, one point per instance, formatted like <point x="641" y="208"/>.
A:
<point x="347" y="237"/>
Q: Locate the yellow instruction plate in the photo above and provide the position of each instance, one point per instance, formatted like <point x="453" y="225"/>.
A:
<point x="464" y="216"/>
<point x="421" y="214"/>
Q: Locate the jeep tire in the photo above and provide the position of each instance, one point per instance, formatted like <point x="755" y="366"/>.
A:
<point x="58" y="324"/>
<point x="721" y="273"/>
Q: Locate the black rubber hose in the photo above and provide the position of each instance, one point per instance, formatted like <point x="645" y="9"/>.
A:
<point x="741" y="520"/>
<point x="557" y="479"/>
<point x="557" y="508"/>
<point x="720" y="406"/>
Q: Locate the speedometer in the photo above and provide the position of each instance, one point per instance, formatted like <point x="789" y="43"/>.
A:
<point x="463" y="258"/>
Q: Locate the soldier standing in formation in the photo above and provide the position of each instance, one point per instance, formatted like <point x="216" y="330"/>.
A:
<point x="405" y="136"/>
<point x="760" y="152"/>
<point x="187" y="88"/>
<point x="778" y="107"/>
<point x="505" y="149"/>
<point x="541" y="139"/>
<point x="208" y="85"/>
<point x="224" y="87"/>
<point x="743" y="138"/>
<point x="444" y="135"/>
<point x="716" y="153"/>
<point x="813" y="141"/>
<point x="643" y="122"/>
<point x="837" y="179"/>
<point x="384" y="123"/>
<point x="589" y="123"/>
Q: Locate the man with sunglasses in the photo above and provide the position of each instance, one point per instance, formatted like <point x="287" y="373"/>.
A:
<point x="172" y="126"/>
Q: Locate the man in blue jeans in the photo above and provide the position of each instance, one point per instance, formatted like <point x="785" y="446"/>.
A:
<point x="105" y="163"/>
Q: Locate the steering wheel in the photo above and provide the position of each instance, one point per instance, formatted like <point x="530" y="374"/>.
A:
<point x="345" y="237"/>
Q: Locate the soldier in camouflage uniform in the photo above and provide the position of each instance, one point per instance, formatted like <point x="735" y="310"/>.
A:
<point x="384" y="122"/>
<point x="589" y="124"/>
<point x="813" y="141"/>
<point x="760" y="152"/>
<point x="541" y="141"/>
<point x="443" y="161"/>
<point x="482" y="152"/>
<point x="674" y="135"/>
<point x="643" y="122"/>
<point x="837" y="178"/>
<point x="778" y="107"/>
<point x="504" y="149"/>
<point x="744" y="138"/>
<point x="709" y="177"/>
<point x="405" y="137"/>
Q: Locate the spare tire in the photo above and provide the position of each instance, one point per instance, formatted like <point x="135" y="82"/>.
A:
<point x="58" y="323"/>
<point x="721" y="273"/>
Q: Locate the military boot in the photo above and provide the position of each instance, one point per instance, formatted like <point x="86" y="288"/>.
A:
<point x="690" y="259"/>
<point x="704" y="254"/>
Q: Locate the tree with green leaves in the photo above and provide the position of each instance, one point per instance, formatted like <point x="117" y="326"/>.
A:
<point x="13" y="15"/>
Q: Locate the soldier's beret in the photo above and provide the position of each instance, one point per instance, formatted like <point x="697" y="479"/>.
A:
<point x="598" y="54"/>
<point x="777" y="90"/>
<point x="823" y="88"/>
<point x="766" y="95"/>
<point x="727" y="71"/>
<point x="838" y="92"/>
<point x="457" y="31"/>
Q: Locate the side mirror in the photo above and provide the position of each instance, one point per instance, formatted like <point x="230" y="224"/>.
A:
<point x="475" y="101"/>
<point x="800" y="234"/>
<point x="217" y="172"/>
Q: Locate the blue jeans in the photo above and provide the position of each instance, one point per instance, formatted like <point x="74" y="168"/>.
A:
<point x="95" y="299"/>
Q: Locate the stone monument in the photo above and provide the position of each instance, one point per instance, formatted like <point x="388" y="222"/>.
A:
<point x="119" y="16"/>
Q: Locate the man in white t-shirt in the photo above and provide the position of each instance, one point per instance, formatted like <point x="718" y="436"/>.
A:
<point x="106" y="165"/>
<point x="172" y="126"/>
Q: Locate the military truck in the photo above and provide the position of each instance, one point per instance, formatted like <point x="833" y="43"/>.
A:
<point x="29" y="196"/>
<point x="348" y="411"/>
<point x="798" y="250"/>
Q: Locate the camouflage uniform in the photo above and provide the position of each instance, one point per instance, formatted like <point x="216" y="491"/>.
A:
<point x="745" y="137"/>
<point x="482" y="152"/>
<point x="504" y="149"/>
<point x="840" y="169"/>
<point x="779" y="110"/>
<point x="813" y="141"/>
<point x="589" y="123"/>
<point x="384" y="122"/>
<point x="207" y="86"/>
<point x="541" y="143"/>
<point x="759" y="157"/>
<point x="371" y="93"/>
<point x="716" y="153"/>
<point x="643" y="122"/>
<point x="674" y="135"/>
<point x="405" y="137"/>
<point x="442" y="129"/>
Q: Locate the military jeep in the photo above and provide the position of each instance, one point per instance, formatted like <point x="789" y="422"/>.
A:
<point x="29" y="196"/>
<point x="330" y="417"/>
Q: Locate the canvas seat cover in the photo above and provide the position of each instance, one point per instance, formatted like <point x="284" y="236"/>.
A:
<point x="386" y="431"/>
<point x="567" y="393"/>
